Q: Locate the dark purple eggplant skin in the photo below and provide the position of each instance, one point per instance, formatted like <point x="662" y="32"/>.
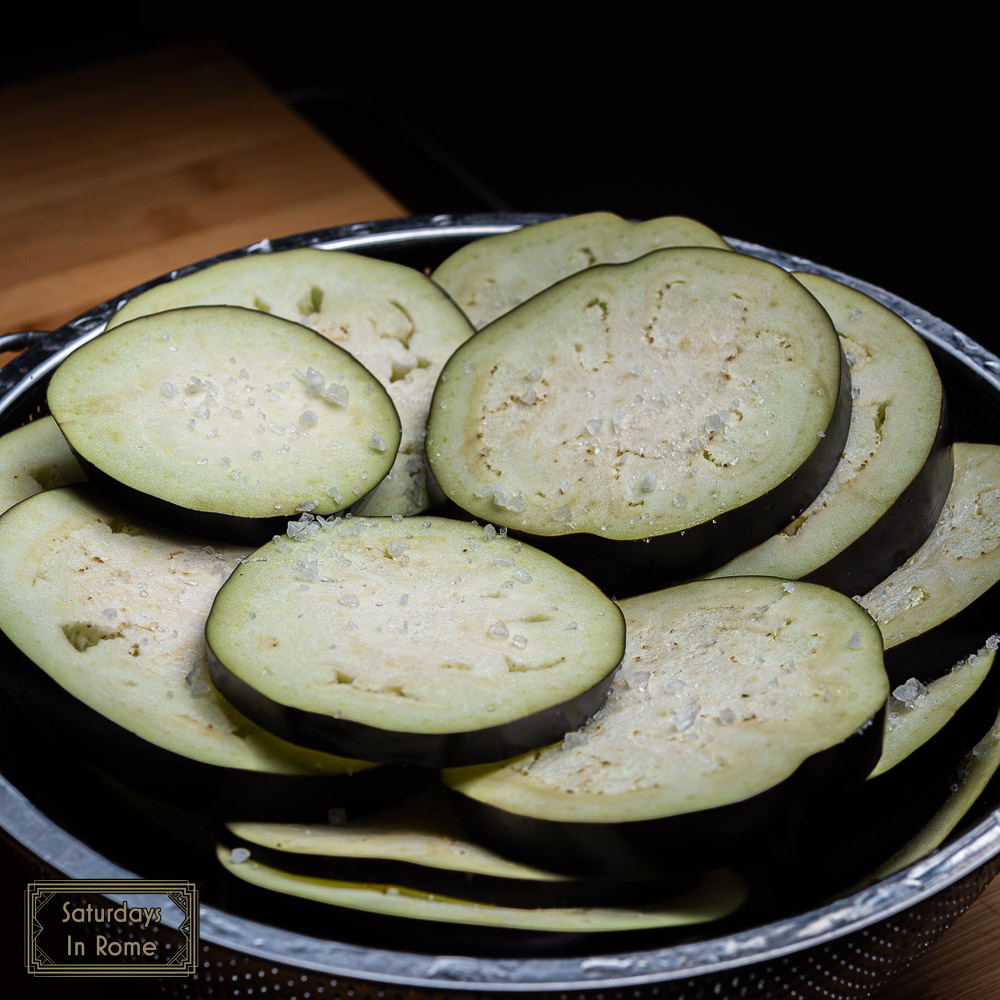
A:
<point x="628" y="567"/>
<point x="901" y="530"/>
<point x="253" y="531"/>
<point x="429" y="750"/>
<point x="225" y="792"/>
<point x="475" y="888"/>
<point x="934" y="652"/>
<point x="743" y="834"/>
<point x="925" y="776"/>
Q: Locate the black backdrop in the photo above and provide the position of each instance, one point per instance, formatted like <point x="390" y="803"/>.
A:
<point x="859" y="144"/>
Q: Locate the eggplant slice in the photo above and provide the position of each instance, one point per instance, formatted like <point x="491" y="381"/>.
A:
<point x="977" y="769"/>
<point x="33" y="458"/>
<point x="491" y="276"/>
<point x="687" y="404"/>
<point x="225" y="421"/>
<point x="738" y="700"/>
<point x="717" y="895"/>
<point x="420" y="844"/>
<point x="393" y="319"/>
<point x="109" y="614"/>
<point x="963" y="700"/>
<point x="418" y="640"/>
<point x="887" y="491"/>
<point x="944" y="597"/>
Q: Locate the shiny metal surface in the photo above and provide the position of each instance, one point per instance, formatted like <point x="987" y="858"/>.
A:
<point x="872" y="932"/>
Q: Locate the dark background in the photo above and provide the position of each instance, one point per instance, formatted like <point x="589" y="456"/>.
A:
<point x="861" y="145"/>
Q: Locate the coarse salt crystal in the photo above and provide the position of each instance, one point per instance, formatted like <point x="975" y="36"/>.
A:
<point x="338" y="394"/>
<point x="910" y="692"/>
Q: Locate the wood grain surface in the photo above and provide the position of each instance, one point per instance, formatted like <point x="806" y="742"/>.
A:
<point x="121" y="172"/>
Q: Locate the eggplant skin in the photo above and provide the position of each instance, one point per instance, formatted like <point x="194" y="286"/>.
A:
<point x="693" y="757"/>
<point x="256" y="436"/>
<point x="679" y="463"/>
<point x="628" y="567"/>
<point x="430" y="750"/>
<point x="744" y="835"/>
<point x="221" y="791"/>
<point x="400" y="917"/>
<point x="884" y="497"/>
<point x="903" y="529"/>
<point x="943" y="599"/>
<point x="472" y="886"/>
<point x="419" y="640"/>
<point x="928" y="654"/>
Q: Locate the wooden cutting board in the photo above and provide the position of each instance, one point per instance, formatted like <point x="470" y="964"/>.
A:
<point x="119" y="173"/>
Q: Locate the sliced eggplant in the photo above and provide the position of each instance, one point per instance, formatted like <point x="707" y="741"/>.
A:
<point x="421" y="845"/>
<point x="417" y="640"/>
<point x="687" y="404"/>
<point x="887" y="491"/>
<point x="491" y="276"/>
<point x="944" y="598"/>
<point x="926" y="735"/>
<point x="961" y="701"/>
<point x="737" y="702"/>
<point x="103" y="617"/>
<point x="976" y="771"/>
<point x="33" y="458"/>
<point x="225" y="421"/>
<point x="719" y="894"/>
<point x="394" y="320"/>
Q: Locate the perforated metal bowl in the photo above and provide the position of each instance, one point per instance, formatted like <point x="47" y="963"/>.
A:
<point x="847" y="949"/>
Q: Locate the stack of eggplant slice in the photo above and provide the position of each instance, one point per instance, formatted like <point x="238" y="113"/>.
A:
<point x="614" y="576"/>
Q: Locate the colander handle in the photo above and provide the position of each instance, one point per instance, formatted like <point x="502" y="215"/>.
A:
<point x="18" y="341"/>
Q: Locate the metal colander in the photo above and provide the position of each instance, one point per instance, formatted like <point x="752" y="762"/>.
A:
<point x="847" y="949"/>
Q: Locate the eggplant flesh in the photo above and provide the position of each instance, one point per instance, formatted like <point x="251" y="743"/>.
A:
<point x="491" y="276"/>
<point x="963" y="700"/>
<point x="421" y="845"/>
<point x="718" y="894"/>
<point x="105" y="617"/>
<point x="737" y="701"/>
<point x="943" y="598"/>
<point x="417" y="640"/>
<point x="33" y="458"/>
<point x="975" y="772"/>
<point x="395" y="321"/>
<point x="222" y="419"/>
<point x="695" y="397"/>
<point x="886" y="493"/>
